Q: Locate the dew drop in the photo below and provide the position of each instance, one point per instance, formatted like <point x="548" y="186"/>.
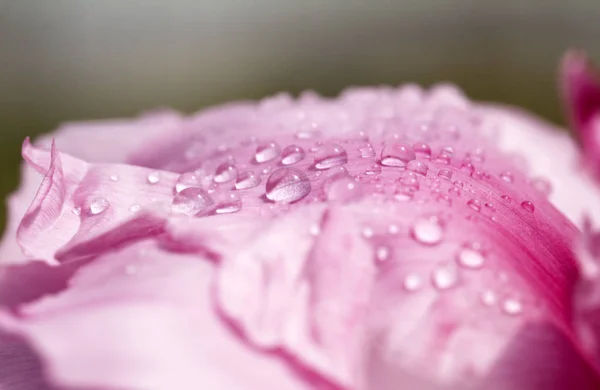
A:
<point x="343" y="189"/>
<point x="470" y="258"/>
<point x="267" y="152"/>
<point x="153" y="177"/>
<point x="418" y="166"/>
<point x="382" y="253"/>
<point x="192" y="201"/>
<point x="292" y="154"/>
<point x="287" y="185"/>
<point x="393" y="229"/>
<point x="422" y="150"/>
<point x="187" y="180"/>
<point x="512" y="307"/>
<point x="412" y="282"/>
<point x="474" y="204"/>
<point x="507" y="177"/>
<point x="314" y="230"/>
<point x="367" y="151"/>
<point x="528" y="206"/>
<point x="247" y="179"/>
<point x="506" y="198"/>
<point x="488" y="298"/>
<point x="467" y="167"/>
<point x="134" y="208"/>
<point x="444" y="158"/>
<point x="330" y="155"/>
<point x="374" y="169"/>
<point x="445" y="174"/>
<point x="99" y="205"/>
<point x="114" y="177"/>
<point x="409" y="180"/>
<point x="427" y="231"/>
<point x="224" y="173"/>
<point x="227" y="203"/>
<point x="444" y="277"/>
<point x="458" y="184"/>
<point x="367" y="232"/>
<point x="397" y="154"/>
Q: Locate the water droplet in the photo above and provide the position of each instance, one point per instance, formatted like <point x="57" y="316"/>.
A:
<point x="292" y="154"/>
<point x="98" y="205"/>
<point x="393" y="229"/>
<point x="114" y="177"/>
<point x="445" y="174"/>
<point x="418" y="166"/>
<point x="507" y="177"/>
<point x="542" y="185"/>
<point x="444" y="277"/>
<point x="427" y="231"/>
<point x="397" y="154"/>
<point x="343" y="189"/>
<point x="374" y="169"/>
<point x="247" y="179"/>
<point x="367" y="232"/>
<point x="330" y="155"/>
<point x="454" y="191"/>
<point x="470" y="258"/>
<point x="225" y="172"/>
<point x="382" y="253"/>
<point x="474" y="204"/>
<point x="476" y="155"/>
<point x="153" y="177"/>
<point x="367" y="151"/>
<point x="422" y="150"/>
<point x="490" y="207"/>
<point x="287" y="185"/>
<point x="488" y="298"/>
<point x="444" y="158"/>
<point x="192" y="201"/>
<point x="314" y="230"/>
<point x="409" y="180"/>
<point x="512" y="307"/>
<point x="187" y="180"/>
<point x="458" y="184"/>
<point x="134" y="208"/>
<point x="467" y="167"/>
<point x="76" y="210"/>
<point x="445" y="199"/>
<point x="267" y="152"/>
<point x="506" y="198"/>
<point x="226" y="203"/>
<point x="412" y="282"/>
<point x="528" y="206"/>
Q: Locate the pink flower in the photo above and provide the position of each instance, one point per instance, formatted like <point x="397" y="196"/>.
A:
<point x="389" y="238"/>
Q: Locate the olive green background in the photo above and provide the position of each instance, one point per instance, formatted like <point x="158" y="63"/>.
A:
<point x="79" y="59"/>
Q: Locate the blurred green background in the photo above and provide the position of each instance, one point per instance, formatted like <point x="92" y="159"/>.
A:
<point x="80" y="59"/>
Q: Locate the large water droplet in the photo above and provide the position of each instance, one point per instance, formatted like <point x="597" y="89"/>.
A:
<point x="427" y="231"/>
<point x="292" y="154"/>
<point x="267" y="152"/>
<point x="192" y="201"/>
<point x="247" y="179"/>
<point x="444" y="277"/>
<point x="470" y="258"/>
<point x="187" y="180"/>
<point x="528" y="206"/>
<point x="98" y="206"/>
<point x="445" y="174"/>
<point x="225" y="172"/>
<point x="287" y="185"/>
<point x="330" y="155"/>
<point x="343" y="189"/>
<point x="418" y="166"/>
<point x="226" y="203"/>
<point x="397" y="154"/>
<point x="153" y="177"/>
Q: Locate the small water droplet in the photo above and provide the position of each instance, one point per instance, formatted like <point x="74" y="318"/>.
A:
<point x="292" y="154"/>
<point x="412" y="282"/>
<point x="445" y="174"/>
<point x="427" y="231"/>
<point x="488" y="298"/>
<point x="227" y="203"/>
<point x="409" y="180"/>
<point x="474" y="204"/>
<point x="507" y="177"/>
<point x="454" y="191"/>
<point x="287" y="185"/>
<point x="528" y="206"/>
<point x="418" y="166"/>
<point x="467" y="167"/>
<point x="330" y="155"/>
<point x="444" y="277"/>
<point x="134" y="208"/>
<point x="76" y="210"/>
<point x="397" y="154"/>
<point x="542" y="185"/>
<point x="512" y="307"/>
<point x="490" y="207"/>
<point x="98" y="205"/>
<point x="374" y="169"/>
<point x="422" y="150"/>
<point x="267" y="152"/>
<point x="506" y="198"/>
<point x="247" y="179"/>
<point x="343" y="189"/>
<point x="458" y="184"/>
<point x="470" y="258"/>
<point x="154" y="177"/>
<point x="187" y="180"/>
<point x="367" y="151"/>
<point x="444" y="158"/>
<point x="393" y="229"/>
<point x="367" y="232"/>
<point x="192" y="201"/>
<point x="382" y="253"/>
<point x="314" y="230"/>
<point x="114" y="177"/>
<point x="225" y="172"/>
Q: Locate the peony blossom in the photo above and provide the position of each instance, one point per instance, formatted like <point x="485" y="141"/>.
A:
<point x="390" y="238"/>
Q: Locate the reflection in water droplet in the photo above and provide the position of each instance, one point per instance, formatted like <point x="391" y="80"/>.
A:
<point x="528" y="206"/>
<point x="427" y="231"/>
<point x="470" y="258"/>
<point x="292" y="154"/>
<point x="98" y="205"/>
<point x="267" y="152"/>
<point x="397" y="154"/>
<point x="512" y="307"/>
<point x="247" y="179"/>
<point x="444" y="277"/>
<point x="226" y="203"/>
<point x="330" y="155"/>
<point x="445" y="174"/>
<point x="287" y="185"/>
<point x="343" y="189"/>
<point x="412" y="282"/>
<point x="417" y="166"/>
<point x="225" y="172"/>
<point x="507" y="177"/>
<point x="192" y="201"/>
<point x="153" y="177"/>
<point x="474" y="204"/>
<point x="186" y="180"/>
